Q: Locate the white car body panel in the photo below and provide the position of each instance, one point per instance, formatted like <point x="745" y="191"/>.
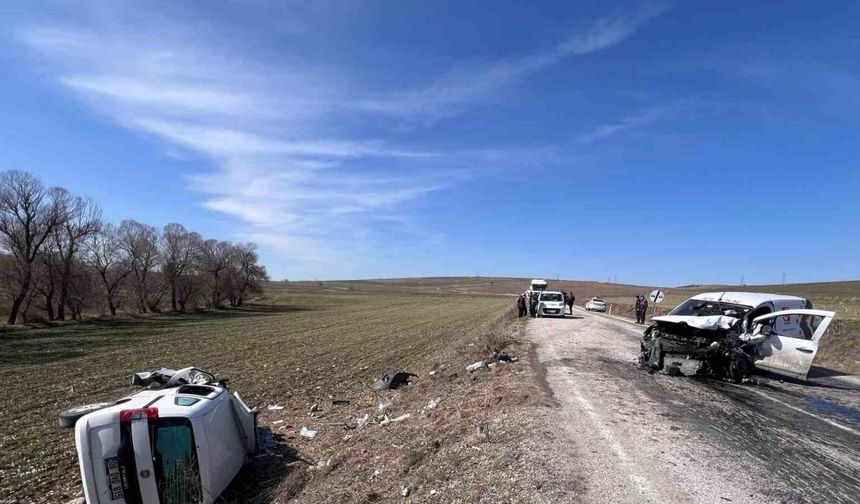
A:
<point x="790" y="355"/>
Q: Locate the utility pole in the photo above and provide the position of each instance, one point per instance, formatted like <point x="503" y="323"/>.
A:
<point x="742" y="280"/>
<point x="783" y="278"/>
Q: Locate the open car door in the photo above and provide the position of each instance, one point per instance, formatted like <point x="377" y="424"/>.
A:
<point x="792" y="339"/>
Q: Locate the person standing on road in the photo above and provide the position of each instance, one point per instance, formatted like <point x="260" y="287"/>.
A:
<point x="570" y="300"/>
<point x="521" y="306"/>
<point x="643" y="306"/>
<point x="638" y="309"/>
<point x="533" y="302"/>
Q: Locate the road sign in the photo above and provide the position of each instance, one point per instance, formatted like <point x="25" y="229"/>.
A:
<point x="656" y="296"/>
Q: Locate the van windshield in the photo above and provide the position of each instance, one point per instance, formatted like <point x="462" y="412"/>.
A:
<point x="552" y="296"/>
<point x="176" y="462"/>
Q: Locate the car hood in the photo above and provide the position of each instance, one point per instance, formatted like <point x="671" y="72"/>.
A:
<point x="712" y="322"/>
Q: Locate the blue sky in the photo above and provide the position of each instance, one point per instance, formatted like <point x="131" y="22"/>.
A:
<point x="659" y="143"/>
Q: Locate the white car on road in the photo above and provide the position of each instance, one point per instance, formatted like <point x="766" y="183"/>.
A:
<point x="181" y="440"/>
<point x="595" y="304"/>
<point x="551" y="303"/>
<point x="728" y="334"/>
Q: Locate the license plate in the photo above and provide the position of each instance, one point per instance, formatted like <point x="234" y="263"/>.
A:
<point x="114" y="480"/>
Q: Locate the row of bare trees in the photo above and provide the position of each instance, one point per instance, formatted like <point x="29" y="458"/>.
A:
<point x="61" y="258"/>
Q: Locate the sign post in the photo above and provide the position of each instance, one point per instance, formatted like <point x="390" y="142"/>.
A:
<point x="656" y="296"/>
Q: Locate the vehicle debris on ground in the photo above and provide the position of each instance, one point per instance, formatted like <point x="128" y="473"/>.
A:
<point x="393" y="380"/>
<point x="730" y="334"/>
<point x="182" y="440"/>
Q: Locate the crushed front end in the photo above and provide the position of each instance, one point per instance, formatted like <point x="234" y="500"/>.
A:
<point x="709" y="346"/>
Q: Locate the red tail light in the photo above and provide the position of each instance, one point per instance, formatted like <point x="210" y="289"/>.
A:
<point x="130" y="415"/>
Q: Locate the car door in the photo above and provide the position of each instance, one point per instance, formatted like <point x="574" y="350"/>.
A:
<point x="790" y="354"/>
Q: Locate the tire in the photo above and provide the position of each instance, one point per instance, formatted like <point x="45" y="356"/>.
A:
<point x="69" y="417"/>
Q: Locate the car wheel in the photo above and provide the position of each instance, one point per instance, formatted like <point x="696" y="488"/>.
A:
<point x="70" y="416"/>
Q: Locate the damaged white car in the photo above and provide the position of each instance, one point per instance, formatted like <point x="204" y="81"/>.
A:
<point x="729" y="334"/>
<point x="180" y="441"/>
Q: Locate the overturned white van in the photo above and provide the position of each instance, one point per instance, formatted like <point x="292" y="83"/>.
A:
<point x="181" y="441"/>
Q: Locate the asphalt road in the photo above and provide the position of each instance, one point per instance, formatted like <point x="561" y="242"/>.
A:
<point x="639" y="437"/>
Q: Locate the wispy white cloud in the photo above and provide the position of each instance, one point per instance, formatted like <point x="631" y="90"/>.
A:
<point x="455" y="92"/>
<point x="605" y="131"/>
<point x="269" y="130"/>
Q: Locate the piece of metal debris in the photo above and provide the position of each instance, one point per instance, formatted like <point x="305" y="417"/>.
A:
<point x="393" y="380"/>
<point x="274" y="407"/>
<point x="433" y="403"/>
<point x="308" y="433"/>
<point x="475" y="366"/>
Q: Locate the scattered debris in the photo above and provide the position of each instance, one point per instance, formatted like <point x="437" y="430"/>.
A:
<point x="405" y="491"/>
<point x="277" y="422"/>
<point x="393" y="380"/>
<point x="503" y="357"/>
<point x="274" y="407"/>
<point x="315" y="407"/>
<point x="474" y="367"/>
<point x="340" y="402"/>
<point x="433" y="403"/>
<point x="363" y="421"/>
<point x="401" y="417"/>
<point x="308" y="433"/>
<point x="383" y="406"/>
<point x="322" y="464"/>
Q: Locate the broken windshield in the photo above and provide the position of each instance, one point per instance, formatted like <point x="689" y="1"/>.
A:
<point x="702" y="308"/>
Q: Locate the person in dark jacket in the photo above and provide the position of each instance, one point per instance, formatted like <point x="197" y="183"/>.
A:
<point x="638" y="310"/>
<point x="570" y="300"/>
<point x="643" y="305"/>
<point x="533" y="303"/>
<point x="521" y="306"/>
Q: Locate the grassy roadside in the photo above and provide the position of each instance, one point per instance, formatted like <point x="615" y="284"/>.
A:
<point x="296" y="350"/>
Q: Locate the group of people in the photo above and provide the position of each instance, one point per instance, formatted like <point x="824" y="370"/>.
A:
<point x="527" y="303"/>
<point x="641" y="309"/>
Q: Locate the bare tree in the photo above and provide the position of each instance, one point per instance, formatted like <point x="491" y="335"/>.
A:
<point x="82" y="219"/>
<point x="214" y="258"/>
<point x="29" y="213"/>
<point x="105" y="255"/>
<point x="179" y="248"/>
<point x="188" y="289"/>
<point x="244" y="274"/>
<point x="140" y="243"/>
<point x="46" y="278"/>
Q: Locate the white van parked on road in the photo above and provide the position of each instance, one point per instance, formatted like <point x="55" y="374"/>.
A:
<point x="550" y="303"/>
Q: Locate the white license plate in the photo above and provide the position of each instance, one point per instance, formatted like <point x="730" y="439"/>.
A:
<point x="114" y="480"/>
